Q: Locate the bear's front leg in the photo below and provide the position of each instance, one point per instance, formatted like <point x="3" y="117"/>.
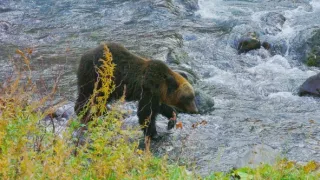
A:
<point x="172" y="121"/>
<point x="170" y="113"/>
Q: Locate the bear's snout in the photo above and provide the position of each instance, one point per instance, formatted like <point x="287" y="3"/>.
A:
<point x="192" y="108"/>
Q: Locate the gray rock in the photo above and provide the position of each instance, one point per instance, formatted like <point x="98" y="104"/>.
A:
<point x="311" y="86"/>
<point x="204" y="102"/>
<point x="273" y="23"/>
<point x="177" y="56"/>
<point x="189" y="5"/>
<point x="179" y="7"/>
<point x="305" y="47"/>
<point x="64" y="112"/>
<point x="279" y="46"/>
<point x="249" y="42"/>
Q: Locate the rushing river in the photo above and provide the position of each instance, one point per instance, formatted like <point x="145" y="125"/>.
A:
<point x="256" y="102"/>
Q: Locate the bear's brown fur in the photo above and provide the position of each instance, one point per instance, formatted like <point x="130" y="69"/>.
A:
<point x="152" y="83"/>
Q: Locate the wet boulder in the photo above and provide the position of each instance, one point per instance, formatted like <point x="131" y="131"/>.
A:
<point x="58" y="120"/>
<point x="273" y="23"/>
<point x="190" y="5"/>
<point x="204" y="102"/>
<point x="179" y="7"/>
<point x="63" y="113"/>
<point x="250" y="42"/>
<point x="311" y="86"/>
<point x="173" y="57"/>
<point x="279" y="46"/>
<point x="177" y="56"/>
<point x="305" y="47"/>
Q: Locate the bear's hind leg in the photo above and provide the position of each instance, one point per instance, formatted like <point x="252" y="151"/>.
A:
<point x="147" y="121"/>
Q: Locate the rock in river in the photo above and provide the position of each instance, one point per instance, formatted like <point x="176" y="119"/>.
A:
<point x="311" y="86"/>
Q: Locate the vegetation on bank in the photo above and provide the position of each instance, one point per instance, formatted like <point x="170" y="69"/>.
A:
<point x="313" y="59"/>
<point x="31" y="148"/>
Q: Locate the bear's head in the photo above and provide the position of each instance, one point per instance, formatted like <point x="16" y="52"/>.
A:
<point x="178" y="92"/>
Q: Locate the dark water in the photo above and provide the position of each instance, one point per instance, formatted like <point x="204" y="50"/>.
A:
<point x="255" y="94"/>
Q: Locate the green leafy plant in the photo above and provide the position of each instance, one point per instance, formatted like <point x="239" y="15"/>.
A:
<point x="313" y="59"/>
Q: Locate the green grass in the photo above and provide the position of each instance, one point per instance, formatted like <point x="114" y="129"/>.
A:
<point x="283" y="169"/>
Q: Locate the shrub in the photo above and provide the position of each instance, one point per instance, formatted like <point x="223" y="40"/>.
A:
<point x="313" y="58"/>
<point x="31" y="150"/>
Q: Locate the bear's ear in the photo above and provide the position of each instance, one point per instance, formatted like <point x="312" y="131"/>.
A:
<point x="183" y="74"/>
<point x="172" y="84"/>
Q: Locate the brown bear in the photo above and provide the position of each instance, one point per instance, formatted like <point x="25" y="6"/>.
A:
<point x="152" y="83"/>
